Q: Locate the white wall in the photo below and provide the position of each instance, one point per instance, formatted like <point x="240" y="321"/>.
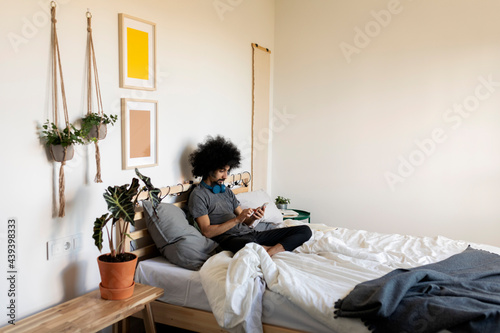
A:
<point x="353" y="115"/>
<point x="204" y="64"/>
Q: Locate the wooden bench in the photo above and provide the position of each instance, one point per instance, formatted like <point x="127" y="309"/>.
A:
<point x="90" y="313"/>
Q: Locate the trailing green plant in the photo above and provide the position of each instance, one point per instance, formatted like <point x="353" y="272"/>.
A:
<point x="282" y="201"/>
<point x="121" y="201"/>
<point x="95" y="119"/>
<point x="65" y="137"/>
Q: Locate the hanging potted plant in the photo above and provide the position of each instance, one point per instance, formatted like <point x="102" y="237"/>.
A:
<point x="117" y="267"/>
<point x="94" y="126"/>
<point x="61" y="142"/>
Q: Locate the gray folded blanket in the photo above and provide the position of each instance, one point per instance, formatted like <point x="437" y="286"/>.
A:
<point x="460" y="294"/>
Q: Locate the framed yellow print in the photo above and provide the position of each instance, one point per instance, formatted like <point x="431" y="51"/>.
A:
<point x="139" y="133"/>
<point x="137" y="44"/>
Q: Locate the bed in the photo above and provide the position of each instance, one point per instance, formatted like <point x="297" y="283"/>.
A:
<point x="299" y="293"/>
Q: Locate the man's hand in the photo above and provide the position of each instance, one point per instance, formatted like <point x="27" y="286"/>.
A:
<point x="245" y="215"/>
<point x="259" y="212"/>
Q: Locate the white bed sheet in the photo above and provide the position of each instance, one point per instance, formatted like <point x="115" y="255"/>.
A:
<point x="183" y="287"/>
<point x="315" y="275"/>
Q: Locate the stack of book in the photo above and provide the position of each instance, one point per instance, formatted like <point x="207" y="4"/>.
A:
<point x="289" y="213"/>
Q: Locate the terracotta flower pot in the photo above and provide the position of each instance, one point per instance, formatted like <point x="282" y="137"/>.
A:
<point x="116" y="294"/>
<point x="57" y="152"/>
<point x="103" y="131"/>
<point x="117" y="278"/>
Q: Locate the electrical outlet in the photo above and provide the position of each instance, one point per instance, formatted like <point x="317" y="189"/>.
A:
<point x="77" y="242"/>
<point x="63" y="246"/>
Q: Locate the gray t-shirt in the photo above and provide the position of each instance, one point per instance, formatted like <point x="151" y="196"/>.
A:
<point x="219" y="208"/>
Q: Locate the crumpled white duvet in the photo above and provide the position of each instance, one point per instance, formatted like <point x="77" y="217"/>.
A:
<point x="314" y="276"/>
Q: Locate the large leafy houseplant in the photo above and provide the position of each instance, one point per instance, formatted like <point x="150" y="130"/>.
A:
<point x="121" y="201"/>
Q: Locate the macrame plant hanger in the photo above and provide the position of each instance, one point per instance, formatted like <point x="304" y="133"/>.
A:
<point x="56" y="64"/>
<point x="92" y="68"/>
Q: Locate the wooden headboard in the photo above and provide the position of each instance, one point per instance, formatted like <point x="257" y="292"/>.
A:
<point x="141" y="244"/>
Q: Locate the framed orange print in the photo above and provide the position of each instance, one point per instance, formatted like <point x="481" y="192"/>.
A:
<point x="137" y="45"/>
<point x="139" y="133"/>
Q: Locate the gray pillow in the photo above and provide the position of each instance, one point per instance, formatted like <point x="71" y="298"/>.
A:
<point x="177" y="240"/>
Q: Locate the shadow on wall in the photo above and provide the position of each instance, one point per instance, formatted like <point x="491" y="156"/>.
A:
<point x="184" y="165"/>
<point x="72" y="279"/>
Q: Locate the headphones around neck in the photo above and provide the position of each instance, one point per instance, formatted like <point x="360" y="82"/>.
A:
<point x="216" y="188"/>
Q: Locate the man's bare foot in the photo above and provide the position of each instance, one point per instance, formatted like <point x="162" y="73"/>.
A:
<point x="266" y="247"/>
<point x="272" y="250"/>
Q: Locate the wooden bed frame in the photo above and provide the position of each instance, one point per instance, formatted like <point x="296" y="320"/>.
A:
<point x="174" y="315"/>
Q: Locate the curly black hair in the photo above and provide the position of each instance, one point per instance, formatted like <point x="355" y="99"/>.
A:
<point x="213" y="154"/>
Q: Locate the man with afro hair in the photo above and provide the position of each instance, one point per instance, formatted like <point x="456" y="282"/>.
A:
<point x="217" y="210"/>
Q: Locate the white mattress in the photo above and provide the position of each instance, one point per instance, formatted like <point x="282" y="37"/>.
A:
<point x="183" y="287"/>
